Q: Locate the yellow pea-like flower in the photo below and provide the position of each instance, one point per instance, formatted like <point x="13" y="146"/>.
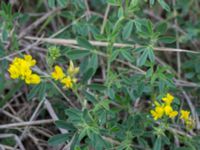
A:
<point x="168" y="99"/>
<point x="16" y="61"/>
<point x="67" y="81"/>
<point x="168" y="109"/>
<point x="157" y="113"/>
<point x="185" y="115"/>
<point x="25" y="70"/>
<point x="58" y="73"/>
<point x="33" y="79"/>
<point x="173" y="114"/>
<point x="14" y="72"/>
<point x="170" y="112"/>
<point x="28" y="58"/>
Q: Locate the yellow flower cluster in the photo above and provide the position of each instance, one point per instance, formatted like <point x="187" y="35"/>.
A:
<point x="69" y="79"/>
<point x="21" y="68"/>
<point x="164" y="109"/>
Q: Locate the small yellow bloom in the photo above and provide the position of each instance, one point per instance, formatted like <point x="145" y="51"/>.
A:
<point x="28" y="58"/>
<point x="157" y="113"/>
<point x="170" y="112"/>
<point x="72" y="71"/>
<point x="67" y="81"/>
<point x="173" y="114"/>
<point x="32" y="79"/>
<point x="14" y="72"/>
<point x="17" y="61"/>
<point x="24" y="71"/>
<point x="168" y="99"/>
<point x="185" y="115"/>
<point x="168" y="109"/>
<point x="58" y="73"/>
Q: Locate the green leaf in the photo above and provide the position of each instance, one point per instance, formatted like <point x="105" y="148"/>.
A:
<point x="87" y="75"/>
<point x="157" y="144"/>
<point x="149" y="72"/>
<point x="114" y="2"/>
<point x="138" y="125"/>
<point x="51" y="3"/>
<point x="138" y="24"/>
<point x="77" y="54"/>
<point x="64" y="125"/>
<point x="143" y="142"/>
<point x="111" y="93"/>
<point x="164" y="5"/>
<point x="58" y="139"/>
<point x="161" y="27"/>
<point x="62" y="3"/>
<point x="74" y="115"/>
<point x="96" y="86"/>
<point x="142" y="59"/>
<point x="90" y="97"/>
<point x="152" y="2"/>
<point x="144" y="27"/>
<point x="74" y="143"/>
<point x="105" y="103"/>
<point x="84" y="43"/>
<point x="127" y="55"/>
<point x="197" y="139"/>
<point x="98" y="142"/>
<point x="149" y="26"/>
<point x="37" y="91"/>
<point x="114" y="55"/>
<point x="151" y="54"/>
<point x="33" y="92"/>
<point x="134" y="5"/>
<point x="93" y="63"/>
<point x="127" y="29"/>
<point x="4" y="35"/>
<point x="42" y="91"/>
<point x="167" y="39"/>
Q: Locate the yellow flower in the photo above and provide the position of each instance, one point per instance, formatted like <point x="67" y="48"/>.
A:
<point x="173" y="114"/>
<point x="185" y="115"/>
<point x="67" y="81"/>
<point x="24" y="70"/>
<point x="32" y="79"/>
<point x="14" y="72"/>
<point x="170" y="112"/>
<point x="16" y="61"/>
<point x="72" y="71"/>
<point x="168" y="109"/>
<point x="157" y="113"/>
<point x="21" y="68"/>
<point x="58" y="73"/>
<point x="28" y="58"/>
<point x="168" y="99"/>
